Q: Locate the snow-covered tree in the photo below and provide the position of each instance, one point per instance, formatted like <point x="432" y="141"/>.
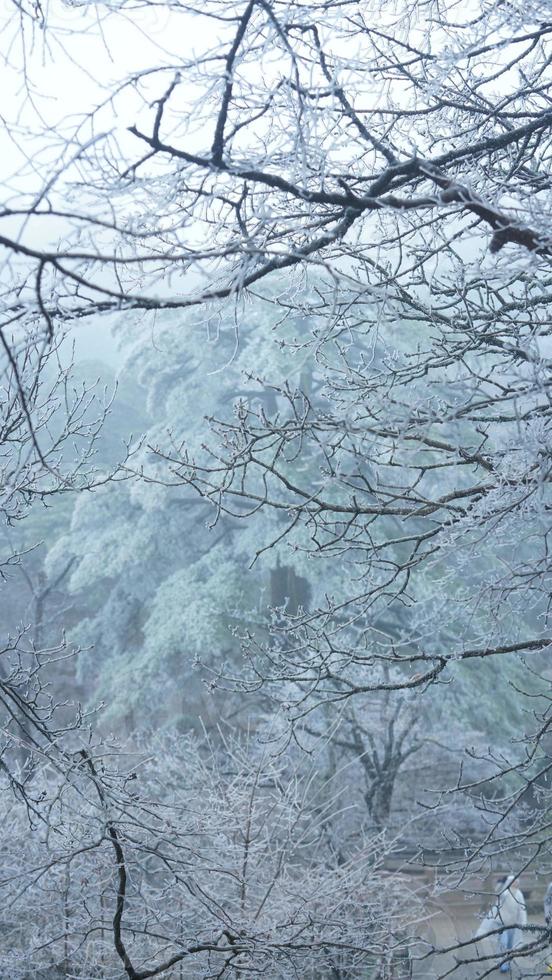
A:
<point x="376" y="176"/>
<point x="187" y="862"/>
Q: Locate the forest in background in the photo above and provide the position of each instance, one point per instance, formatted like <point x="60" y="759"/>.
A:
<point x="275" y="567"/>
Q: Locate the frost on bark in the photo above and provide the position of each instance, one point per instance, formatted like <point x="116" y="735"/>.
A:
<point x="376" y="175"/>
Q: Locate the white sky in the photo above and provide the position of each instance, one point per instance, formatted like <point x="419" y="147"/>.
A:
<point x="70" y="69"/>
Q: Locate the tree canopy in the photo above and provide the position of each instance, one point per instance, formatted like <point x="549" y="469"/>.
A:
<point x="321" y="232"/>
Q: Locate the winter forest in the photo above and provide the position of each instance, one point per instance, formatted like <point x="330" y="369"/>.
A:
<point x="276" y="489"/>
